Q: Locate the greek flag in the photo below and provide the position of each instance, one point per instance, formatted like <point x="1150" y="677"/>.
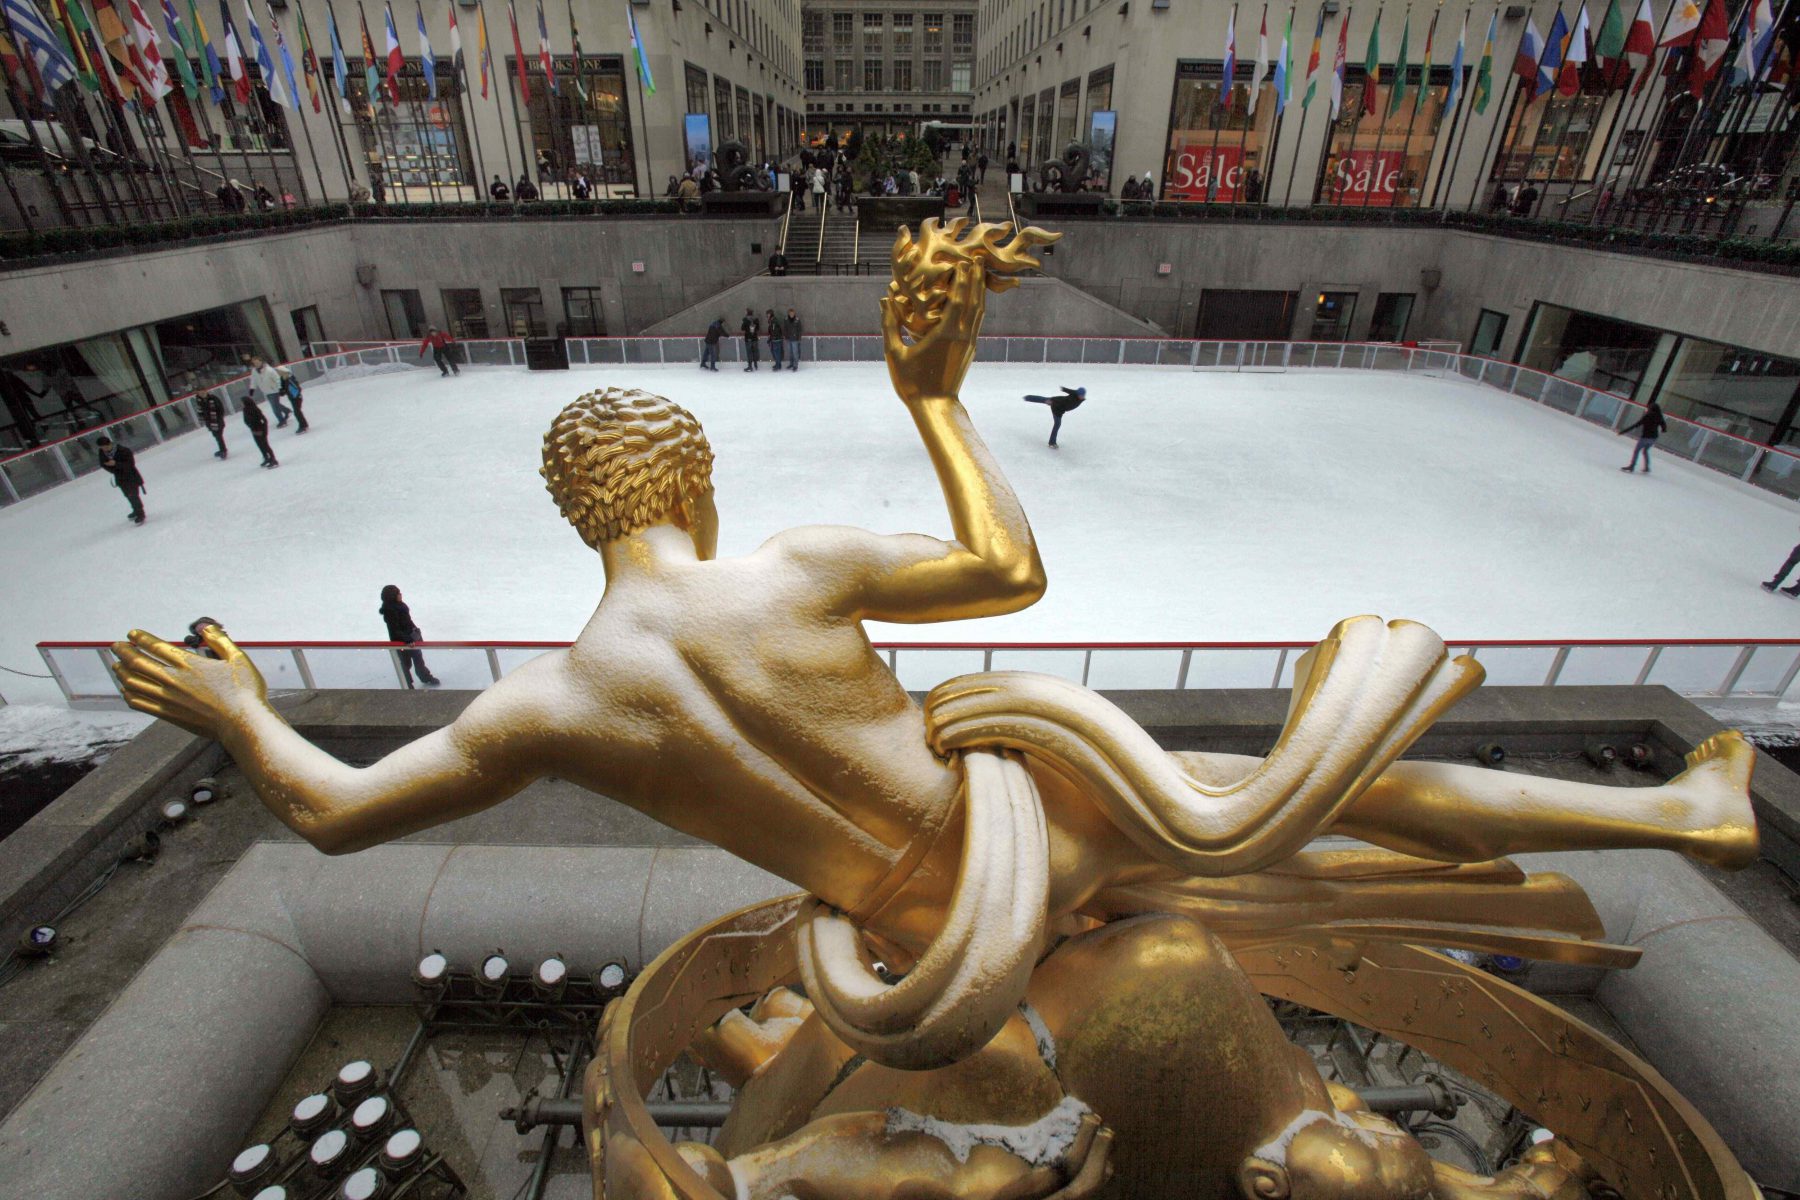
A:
<point x="46" y="49"/>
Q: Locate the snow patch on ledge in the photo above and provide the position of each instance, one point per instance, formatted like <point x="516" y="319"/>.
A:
<point x="1041" y="1143"/>
<point x="34" y="734"/>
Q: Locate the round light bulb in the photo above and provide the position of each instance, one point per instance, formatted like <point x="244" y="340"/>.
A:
<point x="175" y="811"/>
<point x="551" y="972"/>
<point x="328" y="1148"/>
<point x="494" y="968"/>
<point x="364" y="1183"/>
<point x="402" y="1149"/>
<point x="252" y="1162"/>
<point x="370" y="1114"/>
<point x="273" y="1192"/>
<point x="611" y="976"/>
<point x="431" y="970"/>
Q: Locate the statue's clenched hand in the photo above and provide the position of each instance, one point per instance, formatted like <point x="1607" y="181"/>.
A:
<point x="934" y="365"/>
<point x="202" y="695"/>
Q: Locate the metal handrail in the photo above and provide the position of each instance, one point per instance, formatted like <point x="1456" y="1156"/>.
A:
<point x="855" y="236"/>
<point x="819" y="254"/>
<point x="786" y="218"/>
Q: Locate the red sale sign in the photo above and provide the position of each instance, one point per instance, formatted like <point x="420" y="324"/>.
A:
<point x="1200" y="171"/>
<point x="1366" y="177"/>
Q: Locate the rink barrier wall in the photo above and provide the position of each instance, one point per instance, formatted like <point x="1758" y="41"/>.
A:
<point x="1771" y="468"/>
<point x="1740" y="668"/>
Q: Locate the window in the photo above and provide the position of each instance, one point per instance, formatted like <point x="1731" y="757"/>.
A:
<point x="962" y="33"/>
<point x="581" y="312"/>
<point x="1246" y="316"/>
<point x="815" y="74"/>
<point x="1556" y="136"/>
<point x="934" y="33"/>
<point x="1331" y="319"/>
<point x="570" y="134"/>
<point x="871" y="74"/>
<point x="696" y="88"/>
<point x="1067" y="109"/>
<point x="744" y="131"/>
<point x="722" y="118"/>
<point x="934" y="75"/>
<point x="959" y="77"/>
<point x="1392" y="312"/>
<point x="872" y="28"/>
<point x="1595" y="351"/>
<point x="524" y="309"/>
<point x="903" y="77"/>
<point x="463" y="309"/>
<point x="1725" y="387"/>
<point x="812" y="31"/>
<point x="903" y="33"/>
<point x="405" y="313"/>
<point x="307" y="326"/>
<point x="1099" y="92"/>
<point x="1490" y="327"/>
<point x="843" y="29"/>
<point x="844" y="75"/>
<point x="1381" y="159"/>
<point x="420" y="142"/>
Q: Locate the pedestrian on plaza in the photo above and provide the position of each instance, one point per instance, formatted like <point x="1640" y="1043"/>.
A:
<point x="401" y="629"/>
<point x="1527" y="200"/>
<point x="776" y="342"/>
<point x="846" y="191"/>
<point x="499" y="191"/>
<point x="1793" y="560"/>
<point x="230" y="198"/>
<point x="258" y="425"/>
<point x="816" y="177"/>
<point x="709" y="352"/>
<point x="440" y="344"/>
<point x="265" y="199"/>
<point x="119" y="462"/>
<point x="525" y="190"/>
<point x="212" y="415"/>
<point x="689" y="193"/>
<point x="1069" y="401"/>
<point x="1649" y="427"/>
<point x="751" y="331"/>
<point x="797" y="186"/>
<point x="266" y="381"/>
<point x="790" y="331"/>
<point x="581" y="187"/>
<point x="981" y="163"/>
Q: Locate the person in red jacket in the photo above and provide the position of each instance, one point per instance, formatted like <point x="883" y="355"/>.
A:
<point x="441" y="354"/>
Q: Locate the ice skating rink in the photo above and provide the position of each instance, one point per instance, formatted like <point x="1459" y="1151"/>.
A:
<point x="1181" y="506"/>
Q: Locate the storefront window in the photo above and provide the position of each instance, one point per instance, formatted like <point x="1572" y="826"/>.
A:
<point x="421" y="144"/>
<point x="1490" y="328"/>
<point x="405" y="313"/>
<point x="1046" y="146"/>
<point x="1597" y="352"/>
<point x="1331" y="319"/>
<point x="1232" y="315"/>
<point x="722" y="111"/>
<point x="1027" y="118"/>
<point x="1216" y="153"/>
<point x="1068" y="109"/>
<point x="524" y="308"/>
<point x="1380" y="159"/>
<point x="591" y="136"/>
<point x="581" y="310"/>
<point x="1555" y="136"/>
<point x="1724" y="387"/>
<point x="206" y="348"/>
<point x="1393" y="311"/>
<point x="463" y="309"/>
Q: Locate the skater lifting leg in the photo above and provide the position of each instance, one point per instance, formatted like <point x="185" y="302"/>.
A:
<point x="1069" y="401"/>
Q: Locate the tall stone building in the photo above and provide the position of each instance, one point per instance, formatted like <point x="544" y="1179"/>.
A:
<point x="888" y="68"/>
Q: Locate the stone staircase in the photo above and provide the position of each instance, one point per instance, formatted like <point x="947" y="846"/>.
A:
<point x="839" y="251"/>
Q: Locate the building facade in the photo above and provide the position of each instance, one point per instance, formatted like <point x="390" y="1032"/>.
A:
<point x="887" y="68"/>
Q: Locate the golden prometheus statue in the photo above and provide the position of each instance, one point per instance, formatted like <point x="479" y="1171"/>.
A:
<point x="1029" y="957"/>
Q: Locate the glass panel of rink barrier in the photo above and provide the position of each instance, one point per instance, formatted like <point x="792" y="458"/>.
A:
<point x="1779" y="473"/>
<point x="1562" y="395"/>
<point x="513" y="657"/>
<point x="1728" y="454"/>
<point x="32" y="473"/>
<point x="175" y="419"/>
<point x="1516" y="666"/>
<point x="1680" y="438"/>
<point x="363" y="667"/>
<point x="1266" y="355"/>
<point x="1063" y="350"/>
<point x="1499" y="375"/>
<point x="1469" y="368"/>
<point x="278" y="668"/>
<point x="1388" y="358"/>
<point x="605" y="351"/>
<point x="1207" y="354"/>
<point x="1769" y="665"/>
<point x="837" y="349"/>
<point x="369" y="358"/>
<point x="867" y="349"/>
<point x="1024" y="349"/>
<point x="1140" y="352"/>
<point x="680" y="350"/>
<point x="1602" y="408"/>
<point x="459" y="668"/>
<point x="84" y="672"/>
<point x="1128" y="669"/>
<point x="576" y="348"/>
<point x="1527" y="384"/>
<point x="639" y="351"/>
<point x="1303" y="354"/>
<point x="990" y="349"/>
<point x="1064" y="664"/>
<point x="1252" y="667"/>
<point x="487" y="354"/>
<point x="1603" y="664"/>
<point x="1692" y="669"/>
<point x="922" y="670"/>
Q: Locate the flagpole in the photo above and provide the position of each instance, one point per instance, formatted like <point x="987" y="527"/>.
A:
<point x="1502" y="117"/>
<point x="1287" y="196"/>
<point x="1630" y="111"/>
<point x="1758" y="69"/>
<point x="525" y="159"/>
<point x="459" y="73"/>
<point x="299" y="111"/>
<point x="1714" y="86"/>
<point x="1732" y="127"/>
<point x="66" y="100"/>
<point x="487" y="54"/>
<point x="1223" y="101"/>
<point x="75" y="106"/>
<point x="1381" y="121"/>
<point x="1459" y="136"/>
<point x="1562" y="138"/>
<point x="314" y="79"/>
<point x="642" y="59"/>
<point x="1424" y="91"/>
<point x="1663" y="115"/>
<point x="339" y="103"/>
<point x="1250" y="109"/>
<point x="1331" y="119"/>
<point x="1274" y="147"/>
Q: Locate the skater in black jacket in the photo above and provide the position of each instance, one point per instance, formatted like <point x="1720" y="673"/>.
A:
<point x="751" y="328"/>
<point x="212" y="415"/>
<point x="401" y="629"/>
<point x="1649" y="427"/>
<point x="709" y="354"/>
<point x="119" y="462"/>
<point x="1069" y="401"/>
<point x="258" y="425"/>
<point x="1770" y="584"/>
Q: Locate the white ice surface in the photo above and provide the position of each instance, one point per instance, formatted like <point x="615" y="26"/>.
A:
<point x="1182" y="506"/>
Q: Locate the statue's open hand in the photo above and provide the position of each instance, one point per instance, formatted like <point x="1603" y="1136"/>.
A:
<point x="934" y="365"/>
<point x="202" y="695"/>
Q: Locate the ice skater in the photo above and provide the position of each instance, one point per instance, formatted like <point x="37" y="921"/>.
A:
<point x="119" y="462"/>
<point x="1649" y="427"/>
<point x="266" y="381"/>
<point x="439" y="343"/>
<point x="1069" y="401"/>
<point x="751" y="329"/>
<point x="1773" y="582"/>
<point x="709" y="354"/>
<point x="212" y="415"/>
<point x="258" y="425"/>
<point x="401" y="629"/>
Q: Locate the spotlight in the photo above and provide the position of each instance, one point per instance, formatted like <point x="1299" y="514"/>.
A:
<point x="609" y="978"/>
<point x="432" y="970"/>
<point x="551" y="976"/>
<point x="1639" y="755"/>
<point x="252" y="1165"/>
<point x="37" y="941"/>
<point x="1490" y="754"/>
<point x="490" y="979"/>
<point x="328" y="1151"/>
<point x="175" y="811"/>
<point x="273" y="1192"/>
<point x="356" y="1080"/>
<point x="402" y="1150"/>
<point x="142" y="848"/>
<point x="312" y="1114"/>
<point x="365" y="1183"/>
<point x="1602" y="754"/>
<point x="205" y="791"/>
<point x="1541" y="1135"/>
<point x="371" y="1116"/>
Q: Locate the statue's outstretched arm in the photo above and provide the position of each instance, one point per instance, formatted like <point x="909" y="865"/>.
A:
<point x="450" y="773"/>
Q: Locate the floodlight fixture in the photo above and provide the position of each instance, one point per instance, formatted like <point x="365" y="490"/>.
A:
<point x="1490" y="754"/>
<point x="490" y="977"/>
<point x="402" y="1150"/>
<point x="37" y="941"/>
<point x="1602" y="754"/>
<point x="433" y="970"/>
<point x="372" y="1116"/>
<point x="328" y="1150"/>
<point x="252" y="1165"/>
<point x="142" y="848"/>
<point x="364" y="1183"/>
<point x="205" y="791"/>
<point x="551" y="976"/>
<point x="273" y="1192"/>
<point x="354" y="1080"/>
<point x="175" y="811"/>
<point x="311" y="1114"/>
<point x="1639" y="755"/>
<point x="609" y="978"/>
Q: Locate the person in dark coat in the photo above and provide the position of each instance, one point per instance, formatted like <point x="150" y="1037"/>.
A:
<point x="1649" y="427"/>
<point x="773" y="325"/>
<point x="525" y="190"/>
<point x="119" y="462"/>
<point x="981" y="163"/>
<point x="1793" y="560"/>
<point x="751" y="329"/>
<point x="440" y="343"/>
<point x="212" y="415"/>
<point x="18" y="396"/>
<point x="790" y="332"/>
<point x="401" y="629"/>
<point x="709" y="352"/>
<point x="258" y="425"/>
<point x="1069" y="401"/>
<point x="499" y="191"/>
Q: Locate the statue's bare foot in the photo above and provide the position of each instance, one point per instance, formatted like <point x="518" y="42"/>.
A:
<point x="1716" y="787"/>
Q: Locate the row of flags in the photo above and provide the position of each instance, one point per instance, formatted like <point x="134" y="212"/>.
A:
<point x="118" y="52"/>
<point x="1696" y="32"/>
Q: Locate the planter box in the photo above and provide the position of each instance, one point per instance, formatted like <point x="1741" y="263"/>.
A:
<point x="880" y="216"/>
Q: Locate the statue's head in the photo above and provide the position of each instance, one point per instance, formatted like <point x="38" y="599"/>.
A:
<point x="1338" y="1156"/>
<point x="619" y="461"/>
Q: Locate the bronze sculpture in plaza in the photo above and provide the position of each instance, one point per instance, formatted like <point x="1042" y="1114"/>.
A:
<point x="1029" y="956"/>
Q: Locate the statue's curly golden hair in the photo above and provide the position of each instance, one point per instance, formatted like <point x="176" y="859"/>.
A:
<point x="619" y="461"/>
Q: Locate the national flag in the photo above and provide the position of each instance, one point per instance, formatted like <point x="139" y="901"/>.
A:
<point x="340" y="70"/>
<point x="545" y="60"/>
<point x="1609" y="46"/>
<point x="1425" y="67"/>
<point x="287" y="63"/>
<point x="1456" y="66"/>
<point x="575" y="40"/>
<point x="637" y="46"/>
<point x="371" y="73"/>
<point x="80" y="41"/>
<point x="456" y="50"/>
<point x="209" y="57"/>
<point x="1284" y="66"/>
<point x="172" y="22"/>
<point x="427" y="59"/>
<point x="1338" y="69"/>
<point x="1762" y="50"/>
<point x="395" y="59"/>
<point x="1230" y="59"/>
<point x="41" y="48"/>
<point x="481" y="49"/>
<point x="1262" y="59"/>
<point x="1312" y="63"/>
<point x="234" y="57"/>
<point x="1371" y="100"/>
<point x="265" y="62"/>
<point x="1550" y="61"/>
<point x="1525" y="66"/>
<point x="1684" y="18"/>
<point x="1484" y="71"/>
<point x="1709" y="48"/>
<point x="512" y="16"/>
<point x="153" y="77"/>
<point x="309" y="62"/>
<point x="1397" y="94"/>
<point x="1575" y="56"/>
